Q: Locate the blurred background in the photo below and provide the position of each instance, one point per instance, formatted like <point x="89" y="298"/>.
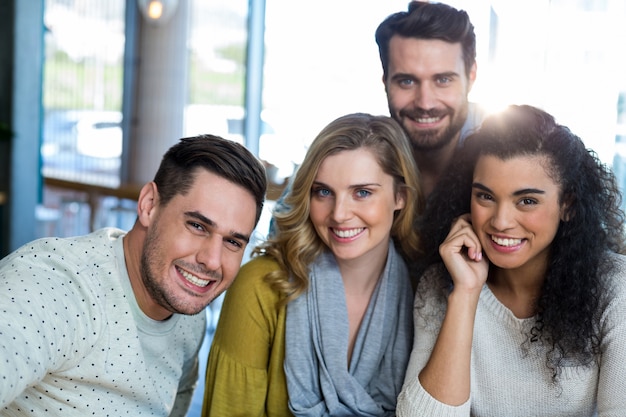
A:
<point x="92" y="92"/>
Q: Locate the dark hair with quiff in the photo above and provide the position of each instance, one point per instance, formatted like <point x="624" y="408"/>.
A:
<point x="428" y="21"/>
<point x="225" y="158"/>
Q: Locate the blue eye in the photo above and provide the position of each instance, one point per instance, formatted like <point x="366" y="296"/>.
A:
<point x="363" y="193"/>
<point x="321" y="192"/>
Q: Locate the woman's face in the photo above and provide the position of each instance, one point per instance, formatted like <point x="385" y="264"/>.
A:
<point x="352" y="205"/>
<point x="515" y="210"/>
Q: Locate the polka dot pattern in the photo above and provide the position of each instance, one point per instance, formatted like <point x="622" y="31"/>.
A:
<point x="73" y="340"/>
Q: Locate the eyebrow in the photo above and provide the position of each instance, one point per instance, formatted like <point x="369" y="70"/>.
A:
<point x="369" y="184"/>
<point x="516" y="193"/>
<point x="451" y="74"/>
<point x="211" y="223"/>
<point x="403" y="75"/>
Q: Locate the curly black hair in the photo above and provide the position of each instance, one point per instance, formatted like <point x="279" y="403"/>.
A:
<point x="573" y="294"/>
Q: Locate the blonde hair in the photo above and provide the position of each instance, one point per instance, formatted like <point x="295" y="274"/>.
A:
<point x="296" y="244"/>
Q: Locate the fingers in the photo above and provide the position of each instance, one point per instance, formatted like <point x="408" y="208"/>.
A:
<point x="462" y="255"/>
<point x="462" y="240"/>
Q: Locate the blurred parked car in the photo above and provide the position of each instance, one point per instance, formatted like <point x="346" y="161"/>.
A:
<point x="99" y="134"/>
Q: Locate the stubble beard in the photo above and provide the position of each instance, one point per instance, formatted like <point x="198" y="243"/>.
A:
<point x="432" y="140"/>
<point x="152" y="261"/>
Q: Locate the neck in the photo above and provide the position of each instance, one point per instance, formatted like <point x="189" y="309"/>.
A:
<point x="361" y="275"/>
<point x="433" y="164"/>
<point x="132" y="257"/>
<point x="518" y="290"/>
<point x="360" y="279"/>
<point x="133" y="247"/>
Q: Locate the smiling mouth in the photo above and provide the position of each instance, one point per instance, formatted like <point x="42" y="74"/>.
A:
<point x="194" y="279"/>
<point x="427" y="120"/>
<point x="506" y="242"/>
<point x="348" y="233"/>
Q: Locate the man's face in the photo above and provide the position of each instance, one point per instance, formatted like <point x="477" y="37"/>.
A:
<point x="427" y="90"/>
<point x="195" y="244"/>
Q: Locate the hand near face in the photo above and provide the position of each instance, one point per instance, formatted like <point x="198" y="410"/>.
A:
<point x="462" y="254"/>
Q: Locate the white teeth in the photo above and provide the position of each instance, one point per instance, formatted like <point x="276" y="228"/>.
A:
<point x="427" y="120"/>
<point x="506" y="242"/>
<point x="194" y="279"/>
<point x="348" y="233"/>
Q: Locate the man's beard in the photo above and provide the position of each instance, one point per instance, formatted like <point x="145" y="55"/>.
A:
<point x="432" y="140"/>
<point x="151" y="263"/>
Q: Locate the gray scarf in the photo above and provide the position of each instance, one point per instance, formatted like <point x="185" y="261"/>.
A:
<point x="316" y="345"/>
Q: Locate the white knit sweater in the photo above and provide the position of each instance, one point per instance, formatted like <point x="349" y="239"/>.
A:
<point x="509" y="377"/>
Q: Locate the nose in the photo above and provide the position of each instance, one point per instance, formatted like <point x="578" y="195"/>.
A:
<point x="342" y="209"/>
<point x="425" y="96"/>
<point x="210" y="253"/>
<point x="503" y="217"/>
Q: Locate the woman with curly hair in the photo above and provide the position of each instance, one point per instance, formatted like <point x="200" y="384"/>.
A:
<point x="319" y="322"/>
<point x="526" y="313"/>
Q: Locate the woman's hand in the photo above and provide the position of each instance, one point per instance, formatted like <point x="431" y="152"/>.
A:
<point x="462" y="254"/>
<point x="447" y="374"/>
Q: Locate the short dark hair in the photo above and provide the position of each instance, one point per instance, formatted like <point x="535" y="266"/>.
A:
<point x="228" y="159"/>
<point x="428" y="21"/>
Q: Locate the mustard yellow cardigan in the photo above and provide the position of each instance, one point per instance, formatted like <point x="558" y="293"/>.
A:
<point x="245" y="375"/>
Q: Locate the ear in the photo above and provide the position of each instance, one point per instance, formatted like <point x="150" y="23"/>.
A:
<point x="400" y="199"/>
<point x="148" y="203"/>
<point x="384" y="82"/>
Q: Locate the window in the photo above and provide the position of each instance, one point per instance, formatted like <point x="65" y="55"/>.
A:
<point x="82" y="98"/>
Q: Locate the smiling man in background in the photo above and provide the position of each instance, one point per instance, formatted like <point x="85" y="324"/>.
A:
<point x="428" y="55"/>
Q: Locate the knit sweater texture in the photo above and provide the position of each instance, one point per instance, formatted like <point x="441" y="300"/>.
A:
<point x="509" y="376"/>
<point x="245" y="375"/>
<point x="74" y="342"/>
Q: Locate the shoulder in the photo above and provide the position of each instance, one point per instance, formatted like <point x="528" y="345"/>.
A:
<point x="262" y="264"/>
<point x="254" y="271"/>
<point x="251" y="306"/>
<point x="250" y="281"/>
<point x="431" y="296"/>
<point x="76" y="261"/>
<point x="61" y="281"/>
<point x="81" y="268"/>
<point x="432" y="282"/>
<point x="475" y="116"/>
<point x="616" y="279"/>
<point x="73" y="251"/>
<point x="614" y="287"/>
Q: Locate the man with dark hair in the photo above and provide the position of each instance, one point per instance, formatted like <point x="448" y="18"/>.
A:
<point x="428" y="55"/>
<point x="108" y="323"/>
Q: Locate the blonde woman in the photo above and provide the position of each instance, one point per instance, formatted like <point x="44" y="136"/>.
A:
<point x="319" y="321"/>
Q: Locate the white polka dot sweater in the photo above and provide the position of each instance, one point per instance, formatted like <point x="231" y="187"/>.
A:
<point x="74" y="342"/>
